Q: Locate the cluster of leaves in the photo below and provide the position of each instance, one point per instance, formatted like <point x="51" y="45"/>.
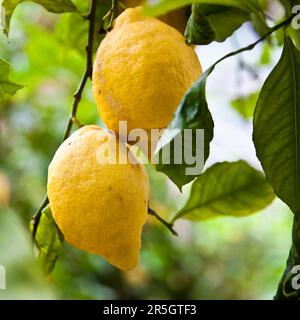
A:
<point x="276" y="127"/>
<point x="276" y="116"/>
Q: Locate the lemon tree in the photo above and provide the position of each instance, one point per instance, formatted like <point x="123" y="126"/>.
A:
<point x="147" y="73"/>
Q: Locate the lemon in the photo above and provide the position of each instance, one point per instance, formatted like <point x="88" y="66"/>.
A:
<point x="141" y="72"/>
<point x="5" y="190"/>
<point x="177" y="18"/>
<point x="99" y="207"/>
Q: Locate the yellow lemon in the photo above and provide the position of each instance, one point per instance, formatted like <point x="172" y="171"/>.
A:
<point x="5" y="190"/>
<point x="100" y="207"/>
<point x="141" y="72"/>
<point x="177" y="18"/>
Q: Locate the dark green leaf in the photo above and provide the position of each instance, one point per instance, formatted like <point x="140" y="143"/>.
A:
<point x="7" y="87"/>
<point x="199" y="30"/>
<point x="213" y="23"/>
<point x="56" y="6"/>
<point x="223" y="19"/>
<point x="49" y="241"/>
<point x="227" y="189"/>
<point x="193" y="113"/>
<point x="277" y="127"/>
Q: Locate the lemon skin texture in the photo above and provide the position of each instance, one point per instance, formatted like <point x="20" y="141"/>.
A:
<point x="5" y="190"/>
<point x="99" y="208"/>
<point x="176" y="19"/>
<point x="141" y="72"/>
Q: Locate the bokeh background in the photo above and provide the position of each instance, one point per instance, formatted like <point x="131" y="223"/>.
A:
<point x="220" y="259"/>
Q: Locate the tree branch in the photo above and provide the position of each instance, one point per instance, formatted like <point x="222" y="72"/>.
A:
<point x="282" y="24"/>
<point x="76" y="100"/>
<point x="164" y="222"/>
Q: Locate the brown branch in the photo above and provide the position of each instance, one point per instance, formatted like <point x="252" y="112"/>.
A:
<point x="164" y="222"/>
<point x="76" y="100"/>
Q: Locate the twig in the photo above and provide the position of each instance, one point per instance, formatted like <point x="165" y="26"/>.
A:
<point x="285" y="22"/>
<point x="76" y="100"/>
<point x="164" y="222"/>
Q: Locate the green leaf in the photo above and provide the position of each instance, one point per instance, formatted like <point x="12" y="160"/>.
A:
<point x="7" y="87"/>
<point x="72" y="29"/>
<point x="245" y="105"/>
<point x="193" y="113"/>
<point x="277" y="127"/>
<point x="227" y="189"/>
<point x="265" y="58"/>
<point x="199" y="30"/>
<point x="259" y="23"/>
<point x="49" y="241"/>
<point x="56" y="6"/>
<point x="223" y="19"/>
<point x="164" y="6"/>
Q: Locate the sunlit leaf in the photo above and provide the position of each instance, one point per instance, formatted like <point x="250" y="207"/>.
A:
<point x="7" y="87"/>
<point x="56" y="6"/>
<point x="72" y="29"/>
<point x="49" y="241"/>
<point x="245" y="105"/>
<point x="227" y="189"/>
<point x="277" y="127"/>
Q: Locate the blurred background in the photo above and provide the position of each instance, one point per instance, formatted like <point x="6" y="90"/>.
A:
<point x="220" y="259"/>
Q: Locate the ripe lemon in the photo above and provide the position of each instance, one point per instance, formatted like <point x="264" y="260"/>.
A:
<point x="99" y="207"/>
<point x="177" y="18"/>
<point x="4" y="190"/>
<point x="141" y="72"/>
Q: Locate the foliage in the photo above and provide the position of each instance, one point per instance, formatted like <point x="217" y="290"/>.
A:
<point x="57" y="6"/>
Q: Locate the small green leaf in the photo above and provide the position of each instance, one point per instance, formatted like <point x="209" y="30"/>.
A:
<point x="277" y="127"/>
<point x="227" y="189"/>
<point x="223" y="20"/>
<point x="49" y="241"/>
<point x="199" y="30"/>
<point x="7" y="87"/>
<point x="193" y="113"/>
<point x="245" y="105"/>
<point x="265" y="57"/>
<point x="56" y="6"/>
